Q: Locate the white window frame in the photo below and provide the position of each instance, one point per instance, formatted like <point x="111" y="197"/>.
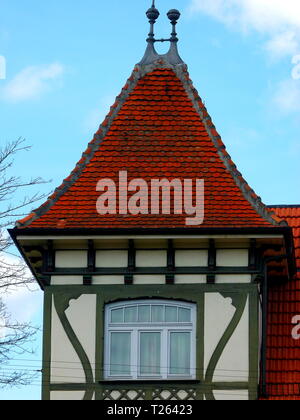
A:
<point x="136" y="328"/>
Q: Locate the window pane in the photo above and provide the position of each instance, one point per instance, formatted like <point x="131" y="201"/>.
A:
<point x="158" y="313"/>
<point x="120" y="354"/>
<point x="184" y="315"/>
<point x="180" y="353"/>
<point x="117" y="315"/>
<point x="131" y="314"/>
<point x="150" y="354"/>
<point x="144" y="313"/>
<point x="171" y="314"/>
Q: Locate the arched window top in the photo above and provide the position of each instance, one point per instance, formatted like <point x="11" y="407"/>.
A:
<point x="151" y="338"/>
<point x="150" y="312"/>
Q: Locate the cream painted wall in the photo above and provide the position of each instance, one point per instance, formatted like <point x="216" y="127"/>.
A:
<point x="191" y="258"/>
<point x="232" y="257"/>
<point x="234" y="362"/>
<point x="232" y="395"/>
<point x="66" y="280"/>
<point x="151" y="258"/>
<point x="111" y="258"/>
<point x="190" y="279"/>
<point x="233" y="278"/>
<point x="149" y="279"/>
<point x="65" y="363"/>
<point x="70" y="259"/>
<point x="102" y="280"/>
<point x="66" y="395"/>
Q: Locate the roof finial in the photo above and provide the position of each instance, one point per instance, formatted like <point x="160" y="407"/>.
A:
<point x="151" y="55"/>
<point x="152" y="15"/>
<point x="174" y="15"/>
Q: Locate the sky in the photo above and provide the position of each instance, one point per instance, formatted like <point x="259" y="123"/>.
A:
<point x="62" y="63"/>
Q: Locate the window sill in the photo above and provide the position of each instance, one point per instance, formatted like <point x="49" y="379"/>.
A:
<point x="150" y="382"/>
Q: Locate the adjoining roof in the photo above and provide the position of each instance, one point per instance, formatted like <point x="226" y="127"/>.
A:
<point x="283" y="351"/>
<point x="157" y="128"/>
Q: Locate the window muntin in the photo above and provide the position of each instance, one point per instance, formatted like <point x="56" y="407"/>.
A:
<point x="154" y="313"/>
<point x="150" y="339"/>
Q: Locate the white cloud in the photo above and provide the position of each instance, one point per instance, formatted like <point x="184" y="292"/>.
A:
<point x="278" y="20"/>
<point x="287" y="96"/>
<point x="32" y="82"/>
<point x="282" y="44"/>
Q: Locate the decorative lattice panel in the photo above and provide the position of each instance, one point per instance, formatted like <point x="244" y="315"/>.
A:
<point x="174" y="394"/>
<point x="123" y="394"/>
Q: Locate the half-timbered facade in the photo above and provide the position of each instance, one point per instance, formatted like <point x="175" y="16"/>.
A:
<point x="140" y="304"/>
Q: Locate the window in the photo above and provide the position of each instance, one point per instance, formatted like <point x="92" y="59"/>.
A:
<point x="150" y="339"/>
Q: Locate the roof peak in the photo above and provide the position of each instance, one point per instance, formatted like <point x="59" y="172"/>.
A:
<point x="172" y="56"/>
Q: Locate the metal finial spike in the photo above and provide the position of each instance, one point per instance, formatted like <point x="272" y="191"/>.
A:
<point x="173" y="16"/>
<point x="152" y="15"/>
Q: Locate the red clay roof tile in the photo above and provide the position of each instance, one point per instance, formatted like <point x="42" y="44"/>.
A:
<point x="159" y="128"/>
<point x="283" y="368"/>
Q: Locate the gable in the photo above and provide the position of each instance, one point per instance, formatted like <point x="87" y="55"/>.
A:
<point x="157" y="129"/>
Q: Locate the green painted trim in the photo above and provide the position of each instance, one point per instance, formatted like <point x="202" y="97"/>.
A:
<point x="239" y="301"/>
<point x="99" y="345"/>
<point x="119" y="290"/>
<point x="61" y="303"/>
<point x="149" y="270"/>
<point x="200" y="338"/>
<point x="194" y="293"/>
<point x="253" y="345"/>
<point x="47" y="322"/>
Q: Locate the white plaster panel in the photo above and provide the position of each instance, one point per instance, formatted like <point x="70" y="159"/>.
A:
<point x="234" y="362"/>
<point x="151" y="258"/>
<point x="190" y="279"/>
<point x="70" y="259"/>
<point x="82" y="317"/>
<point x="233" y="278"/>
<point x="66" y="280"/>
<point x="65" y="364"/>
<point x="113" y="258"/>
<point x="67" y="395"/>
<point x="102" y="280"/>
<point x="191" y="258"/>
<point x="231" y="395"/>
<point x="217" y="316"/>
<point x="232" y="257"/>
<point x="149" y="279"/>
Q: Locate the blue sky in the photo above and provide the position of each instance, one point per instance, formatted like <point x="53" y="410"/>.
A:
<point x="66" y="62"/>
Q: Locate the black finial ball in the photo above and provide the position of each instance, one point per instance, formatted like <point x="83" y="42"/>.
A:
<point x="173" y="15"/>
<point x="152" y="14"/>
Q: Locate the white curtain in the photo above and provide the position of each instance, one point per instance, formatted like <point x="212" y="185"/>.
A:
<point x="120" y="354"/>
<point x="180" y="353"/>
<point x="149" y="353"/>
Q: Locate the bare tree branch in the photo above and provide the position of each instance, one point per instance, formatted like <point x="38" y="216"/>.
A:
<point x="15" y="337"/>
